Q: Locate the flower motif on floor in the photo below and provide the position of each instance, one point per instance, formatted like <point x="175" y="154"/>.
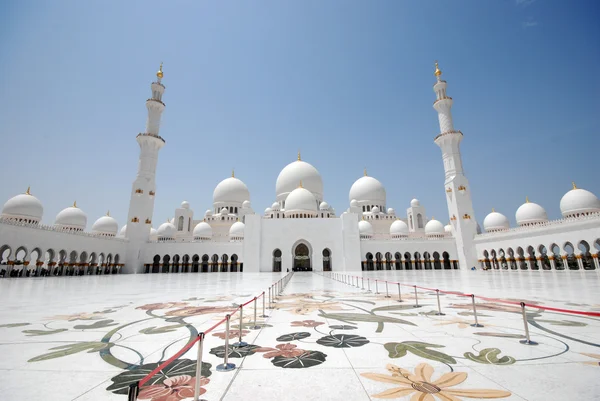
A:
<point x="305" y="308"/>
<point x="425" y="389"/>
<point x="284" y="350"/>
<point x="173" y="389"/>
<point x="198" y="310"/>
<point x="306" y="323"/>
<point x="232" y="334"/>
<point x="78" y="316"/>
<point x="595" y="356"/>
<point x="462" y="324"/>
<point x="166" y="305"/>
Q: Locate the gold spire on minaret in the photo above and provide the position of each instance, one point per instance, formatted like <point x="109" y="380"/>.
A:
<point x="159" y="74"/>
<point x="365" y="171"/>
<point x="493" y="210"/>
<point x="300" y="186"/>
<point x="27" y="192"/>
<point x="75" y="204"/>
<point x="437" y="72"/>
<point x="232" y="173"/>
<point x="574" y="186"/>
<point x="299" y="159"/>
<point x="527" y="199"/>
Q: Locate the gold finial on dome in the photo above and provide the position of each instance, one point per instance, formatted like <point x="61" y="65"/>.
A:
<point x="232" y="173"/>
<point x="365" y="171"/>
<point x="299" y="159"/>
<point x="574" y="186"/>
<point x="300" y="186"/>
<point x="159" y="74"/>
<point x="527" y="199"/>
<point x="432" y="218"/>
<point x="437" y="72"/>
<point x="108" y="213"/>
<point x="28" y="191"/>
<point x="493" y="210"/>
<point x="75" y="204"/>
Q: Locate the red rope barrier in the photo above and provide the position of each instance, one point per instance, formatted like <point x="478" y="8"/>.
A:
<point x="168" y="361"/>
<point x="215" y="326"/>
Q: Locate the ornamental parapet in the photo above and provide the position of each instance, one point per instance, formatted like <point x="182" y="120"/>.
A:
<point x="155" y="100"/>
<point x="444" y="98"/>
<point x="152" y="135"/>
<point x="448" y="133"/>
<point x="44" y="227"/>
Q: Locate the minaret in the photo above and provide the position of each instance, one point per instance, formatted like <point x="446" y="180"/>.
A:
<point x="141" y="204"/>
<point x="458" y="192"/>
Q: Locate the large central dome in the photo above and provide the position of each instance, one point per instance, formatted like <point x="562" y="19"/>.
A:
<point x="231" y="190"/>
<point x="299" y="171"/>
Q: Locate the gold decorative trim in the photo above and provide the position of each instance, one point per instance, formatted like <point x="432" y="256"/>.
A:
<point x="466" y="217"/>
<point x="462" y="188"/>
<point x="148" y="221"/>
<point x="135" y="220"/>
<point x="449" y="190"/>
<point x="139" y="191"/>
<point x="151" y="193"/>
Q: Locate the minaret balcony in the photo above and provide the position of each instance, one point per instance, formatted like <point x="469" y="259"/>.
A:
<point x="155" y="100"/>
<point x="151" y="135"/>
<point x="444" y="98"/>
<point x="448" y="133"/>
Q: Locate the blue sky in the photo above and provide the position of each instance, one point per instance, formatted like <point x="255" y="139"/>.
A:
<point x="248" y="83"/>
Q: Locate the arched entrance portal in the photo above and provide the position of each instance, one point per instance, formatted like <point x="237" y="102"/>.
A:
<point x="326" y="260"/>
<point x="302" y="258"/>
<point x="276" y="260"/>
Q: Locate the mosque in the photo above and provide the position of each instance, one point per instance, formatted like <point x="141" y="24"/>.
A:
<point x="300" y="230"/>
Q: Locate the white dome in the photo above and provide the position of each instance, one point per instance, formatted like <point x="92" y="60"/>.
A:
<point x="185" y="205"/>
<point x="448" y="228"/>
<point x="293" y="174"/>
<point x="365" y="228"/>
<point x="268" y="210"/>
<point x="530" y="213"/>
<point x="353" y="203"/>
<point x="231" y="190"/>
<point x="399" y="227"/>
<point x="415" y="203"/>
<point x="391" y="211"/>
<point x="106" y="225"/>
<point x="208" y="213"/>
<point x="434" y="227"/>
<point x="224" y="211"/>
<point x="203" y="230"/>
<point x="246" y="204"/>
<point x="237" y="230"/>
<point x="495" y="221"/>
<point x="375" y="209"/>
<point x="300" y="199"/>
<point x="368" y="189"/>
<point x="578" y="201"/>
<point x="71" y="217"/>
<point x="166" y="230"/>
<point x="124" y="231"/>
<point x="24" y="206"/>
<point x="324" y="206"/>
<point x="275" y="206"/>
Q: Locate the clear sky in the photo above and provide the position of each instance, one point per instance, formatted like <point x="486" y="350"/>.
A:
<point x="248" y="83"/>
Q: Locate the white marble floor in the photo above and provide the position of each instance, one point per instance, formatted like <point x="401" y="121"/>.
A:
<point x="88" y="338"/>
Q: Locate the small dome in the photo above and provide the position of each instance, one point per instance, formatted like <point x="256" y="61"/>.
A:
<point x="365" y="228"/>
<point x="246" y="204"/>
<point x="124" y="231"/>
<point x="495" y="221"/>
<point x="203" y="230"/>
<point x="293" y="173"/>
<point x="231" y="190"/>
<point x="579" y="201"/>
<point x="208" y="213"/>
<point x="353" y="203"/>
<point x="185" y="205"/>
<point x="391" y="211"/>
<point x="153" y="232"/>
<point x="434" y="227"/>
<point x="268" y="210"/>
<point x="237" y="230"/>
<point x="448" y="228"/>
<point x="375" y="209"/>
<point x="275" y="206"/>
<point x="415" y="203"/>
<point x="300" y="199"/>
<point x="106" y="225"/>
<point x="324" y="206"/>
<point x="166" y="230"/>
<point x="25" y="206"/>
<point x="172" y="221"/>
<point x="368" y="189"/>
<point x="530" y="213"/>
<point x="399" y="228"/>
<point x="224" y="211"/>
<point x="71" y="217"/>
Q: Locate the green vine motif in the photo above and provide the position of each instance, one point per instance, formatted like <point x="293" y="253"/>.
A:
<point x="369" y="316"/>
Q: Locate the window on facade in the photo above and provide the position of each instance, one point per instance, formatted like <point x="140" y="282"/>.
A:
<point x="420" y="220"/>
<point x="180" y="224"/>
<point x="368" y="208"/>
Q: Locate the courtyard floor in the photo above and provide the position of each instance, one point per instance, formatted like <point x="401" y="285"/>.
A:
<point x="88" y="338"/>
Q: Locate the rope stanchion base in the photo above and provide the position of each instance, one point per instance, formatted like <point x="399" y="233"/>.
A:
<point x="239" y="344"/>
<point x="225" y="367"/>
<point x="476" y="325"/>
<point x="528" y="342"/>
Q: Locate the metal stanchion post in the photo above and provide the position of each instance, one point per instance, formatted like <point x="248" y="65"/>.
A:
<point x="439" y="313"/>
<point x="241" y="343"/>
<point x="133" y="392"/>
<point x="399" y="295"/>
<point x="527" y="340"/>
<point x="226" y="366"/>
<point x="476" y="324"/>
<point x="387" y="293"/>
<point x="199" y="368"/>
<point x="376" y="286"/>
<point x="255" y="327"/>
<point x="362" y="285"/>
<point x="263" y="297"/>
<point x="416" y="298"/>
<point x="369" y="285"/>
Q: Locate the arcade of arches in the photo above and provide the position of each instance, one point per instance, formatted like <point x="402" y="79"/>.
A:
<point x="302" y="259"/>
<point x="544" y="258"/>
<point x="194" y="264"/>
<point x="406" y="261"/>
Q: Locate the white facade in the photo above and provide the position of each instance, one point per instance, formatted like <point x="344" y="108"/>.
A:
<point x="300" y="229"/>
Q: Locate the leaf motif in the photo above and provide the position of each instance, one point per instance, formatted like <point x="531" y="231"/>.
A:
<point x="489" y="356"/>
<point x="293" y="336"/>
<point x="234" y="352"/>
<point x="563" y="323"/>
<point x="161" y="330"/>
<point x="96" y="325"/>
<point x="398" y="350"/>
<point x="250" y="325"/>
<point x="70" y="349"/>
<point x="393" y="307"/>
<point x="306" y="360"/>
<point x="504" y="335"/>
<point x="179" y="367"/>
<point x="342" y="327"/>
<point x="479" y="314"/>
<point x="8" y="325"/>
<point x="342" y="341"/>
<point x="364" y="317"/>
<point x="31" y="333"/>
